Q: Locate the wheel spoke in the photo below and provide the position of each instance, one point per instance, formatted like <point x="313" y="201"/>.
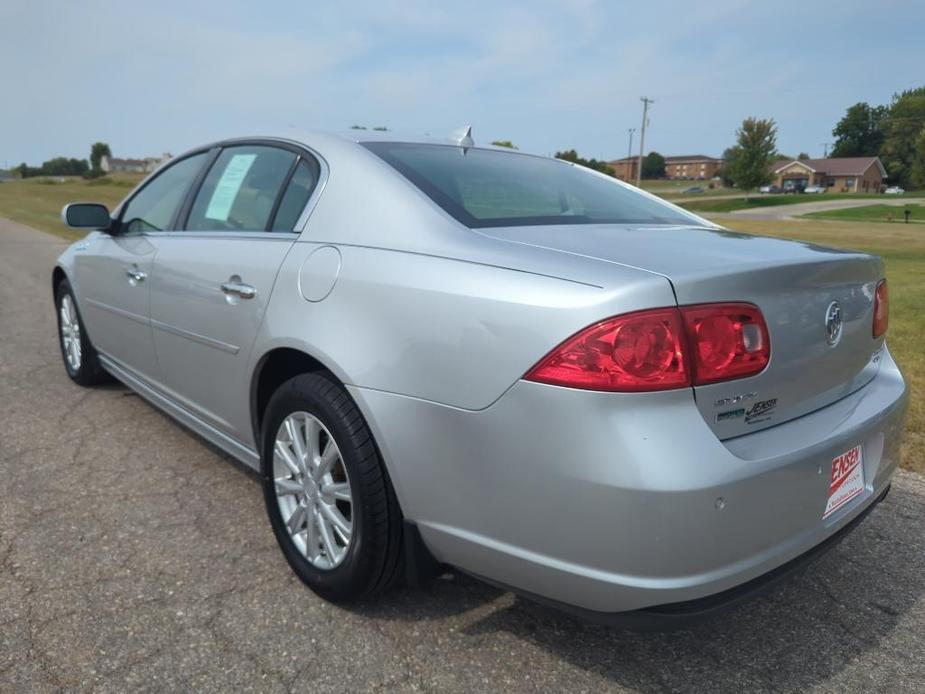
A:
<point x="312" y="434"/>
<point x="284" y="454"/>
<point x="298" y="445"/>
<point x="339" y="491"/>
<point x="327" y="539"/>
<point x="296" y="519"/>
<point x="334" y="517"/>
<point x="328" y="458"/>
<point x="286" y="486"/>
<point x="311" y="538"/>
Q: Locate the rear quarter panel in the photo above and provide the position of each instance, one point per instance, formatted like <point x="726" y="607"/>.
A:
<point x="447" y="330"/>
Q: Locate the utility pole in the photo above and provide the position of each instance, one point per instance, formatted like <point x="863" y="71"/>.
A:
<point x="825" y="149"/>
<point x="642" y="136"/>
<point x="629" y="152"/>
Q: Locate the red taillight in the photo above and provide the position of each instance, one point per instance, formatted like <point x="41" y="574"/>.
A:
<point x="728" y="341"/>
<point x="881" y="309"/>
<point x="661" y="349"/>
<point x="633" y="352"/>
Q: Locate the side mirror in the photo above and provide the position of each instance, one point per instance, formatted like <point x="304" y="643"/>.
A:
<point x="86" y="215"/>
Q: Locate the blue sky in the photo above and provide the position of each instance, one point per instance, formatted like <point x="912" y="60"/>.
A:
<point x="168" y="75"/>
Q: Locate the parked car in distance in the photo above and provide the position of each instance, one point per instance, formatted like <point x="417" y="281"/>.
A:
<point x="441" y="355"/>
<point x="814" y="190"/>
<point x="693" y="190"/>
<point x="769" y="189"/>
<point x="894" y="190"/>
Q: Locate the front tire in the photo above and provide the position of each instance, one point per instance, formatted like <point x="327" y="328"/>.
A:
<point x="327" y="493"/>
<point x="80" y="358"/>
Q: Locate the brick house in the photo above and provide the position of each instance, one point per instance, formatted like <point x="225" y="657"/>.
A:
<point x="625" y="168"/>
<point x="694" y="166"/>
<point x="837" y="174"/>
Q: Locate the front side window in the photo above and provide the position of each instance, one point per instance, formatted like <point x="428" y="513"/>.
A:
<point x="153" y="208"/>
<point x="240" y="191"/>
<point x="484" y="188"/>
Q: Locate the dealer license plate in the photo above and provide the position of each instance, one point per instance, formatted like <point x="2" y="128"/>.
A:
<point x="847" y="480"/>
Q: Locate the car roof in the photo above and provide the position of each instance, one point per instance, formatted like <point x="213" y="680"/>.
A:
<point x="317" y="138"/>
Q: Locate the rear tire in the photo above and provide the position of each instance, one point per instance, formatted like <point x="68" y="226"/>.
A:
<point x="81" y="360"/>
<point x="310" y="485"/>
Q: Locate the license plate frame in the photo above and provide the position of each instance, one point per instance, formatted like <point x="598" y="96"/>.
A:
<point x="846" y="480"/>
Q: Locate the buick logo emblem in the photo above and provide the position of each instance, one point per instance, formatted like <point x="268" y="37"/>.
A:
<point x="833" y="324"/>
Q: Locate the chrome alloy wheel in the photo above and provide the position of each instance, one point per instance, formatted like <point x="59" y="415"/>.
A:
<point x="70" y="332"/>
<point x="313" y="490"/>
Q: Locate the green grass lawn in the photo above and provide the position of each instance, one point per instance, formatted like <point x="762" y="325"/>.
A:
<point x="875" y="213"/>
<point x="38" y="201"/>
<point x="756" y="200"/>
<point x="903" y="248"/>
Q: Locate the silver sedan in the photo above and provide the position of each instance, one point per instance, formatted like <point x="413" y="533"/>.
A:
<point x="439" y="355"/>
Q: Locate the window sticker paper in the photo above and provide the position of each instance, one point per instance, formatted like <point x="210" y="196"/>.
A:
<point x="226" y="190"/>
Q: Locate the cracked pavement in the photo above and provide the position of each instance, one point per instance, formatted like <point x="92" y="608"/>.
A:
<point x="133" y="556"/>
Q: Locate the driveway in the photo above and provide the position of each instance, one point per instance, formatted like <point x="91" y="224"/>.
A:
<point x="135" y="557"/>
<point x="795" y="210"/>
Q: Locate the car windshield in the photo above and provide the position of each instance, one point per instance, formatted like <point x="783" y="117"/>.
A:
<point x="487" y="188"/>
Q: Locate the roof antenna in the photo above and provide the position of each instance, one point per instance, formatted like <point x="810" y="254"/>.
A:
<point x="463" y="136"/>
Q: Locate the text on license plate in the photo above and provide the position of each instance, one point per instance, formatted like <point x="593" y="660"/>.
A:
<point x="847" y="480"/>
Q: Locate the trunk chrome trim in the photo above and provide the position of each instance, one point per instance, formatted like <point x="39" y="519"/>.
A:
<point x="235" y="449"/>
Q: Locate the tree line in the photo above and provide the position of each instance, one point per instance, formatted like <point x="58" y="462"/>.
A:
<point x="895" y="132"/>
<point x="65" y="166"/>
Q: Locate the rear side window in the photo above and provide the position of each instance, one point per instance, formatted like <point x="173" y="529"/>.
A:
<point x="297" y="193"/>
<point x="241" y="189"/>
<point x="153" y="208"/>
<point x="485" y="188"/>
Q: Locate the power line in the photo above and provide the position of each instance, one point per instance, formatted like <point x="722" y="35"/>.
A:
<point x="642" y="136"/>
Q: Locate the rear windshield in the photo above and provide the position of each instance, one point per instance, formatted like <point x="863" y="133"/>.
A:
<point x="485" y="188"/>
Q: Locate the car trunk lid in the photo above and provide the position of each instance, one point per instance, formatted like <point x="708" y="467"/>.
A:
<point x="796" y="285"/>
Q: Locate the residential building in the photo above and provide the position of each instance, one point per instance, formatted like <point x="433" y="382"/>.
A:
<point x="837" y="174"/>
<point x="694" y="166"/>
<point x="146" y="165"/>
<point x="625" y="169"/>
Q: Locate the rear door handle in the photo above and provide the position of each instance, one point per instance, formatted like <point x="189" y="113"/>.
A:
<point x="136" y="275"/>
<point x="238" y="288"/>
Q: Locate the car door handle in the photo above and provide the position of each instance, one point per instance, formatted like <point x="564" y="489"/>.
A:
<point x="133" y="273"/>
<point x="245" y="291"/>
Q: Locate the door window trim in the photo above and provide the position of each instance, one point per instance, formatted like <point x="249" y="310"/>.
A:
<point x="302" y="153"/>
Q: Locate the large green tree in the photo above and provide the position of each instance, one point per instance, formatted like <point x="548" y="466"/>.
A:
<point x="917" y="165"/>
<point x="753" y="154"/>
<point x="902" y="127"/>
<point x="860" y="132"/>
<point x="653" y="165"/>
<point x="98" y="150"/>
<point x="572" y="156"/>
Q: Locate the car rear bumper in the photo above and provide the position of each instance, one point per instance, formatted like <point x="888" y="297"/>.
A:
<point x="615" y="502"/>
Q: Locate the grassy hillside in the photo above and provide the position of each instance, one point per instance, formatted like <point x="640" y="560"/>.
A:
<point x="38" y="201"/>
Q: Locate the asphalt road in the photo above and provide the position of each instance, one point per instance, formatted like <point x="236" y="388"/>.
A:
<point x="133" y="556"/>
